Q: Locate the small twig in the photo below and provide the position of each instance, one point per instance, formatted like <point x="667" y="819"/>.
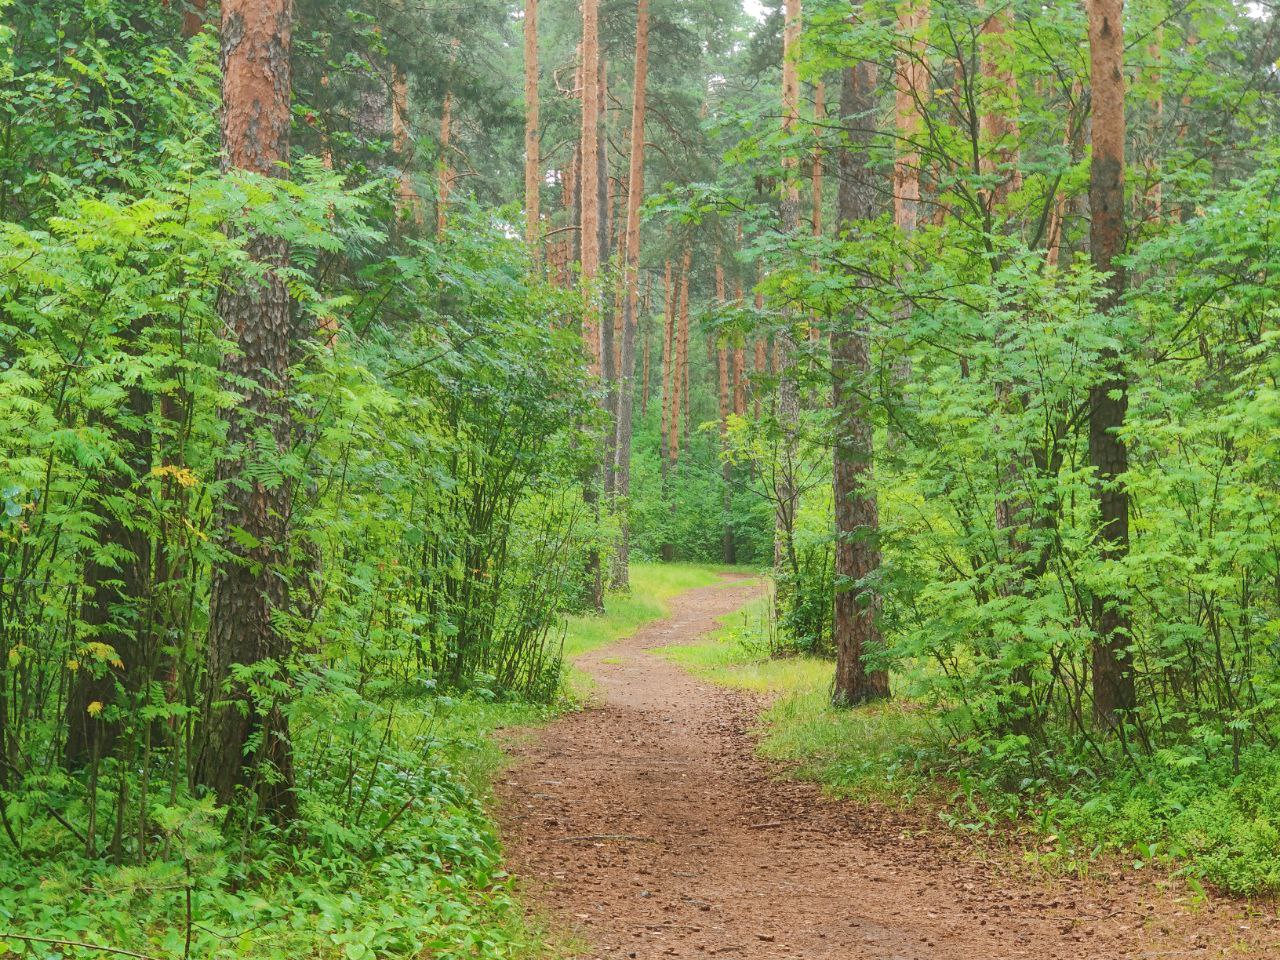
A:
<point x="394" y="817"/>
<point x="78" y="943"/>
<point x="605" y="836"/>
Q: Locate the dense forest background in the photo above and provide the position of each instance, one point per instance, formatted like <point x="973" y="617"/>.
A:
<point x="347" y="348"/>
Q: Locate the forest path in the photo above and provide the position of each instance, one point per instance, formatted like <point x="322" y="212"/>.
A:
<point x="646" y="824"/>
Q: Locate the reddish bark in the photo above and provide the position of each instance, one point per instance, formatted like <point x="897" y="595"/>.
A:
<point x="857" y="604"/>
<point x="590" y="173"/>
<point x="252" y="520"/>
<point x="911" y="85"/>
<point x="532" y="135"/>
<point x="1113" y="686"/>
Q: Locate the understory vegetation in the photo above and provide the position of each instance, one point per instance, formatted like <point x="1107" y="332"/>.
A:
<point x="396" y="852"/>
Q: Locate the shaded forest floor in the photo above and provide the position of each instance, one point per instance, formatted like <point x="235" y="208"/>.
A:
<point x="647" y="826"/>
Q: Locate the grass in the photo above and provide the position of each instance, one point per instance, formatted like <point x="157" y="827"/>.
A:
<point x="732" y="657"/>
<point x="653" y="587"/>
<point x="852" y="752"/>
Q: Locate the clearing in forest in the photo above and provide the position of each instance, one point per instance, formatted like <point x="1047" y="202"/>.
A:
<point x="647" y="825"/>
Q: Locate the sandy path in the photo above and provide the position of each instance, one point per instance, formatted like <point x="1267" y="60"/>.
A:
<point x="646" y="825"/>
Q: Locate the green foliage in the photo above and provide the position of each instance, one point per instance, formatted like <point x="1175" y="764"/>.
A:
<point x="395" y="853"/>
<point x="441" y="421"/>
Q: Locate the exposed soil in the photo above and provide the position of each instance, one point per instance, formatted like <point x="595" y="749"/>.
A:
<point x="646" y="825"/>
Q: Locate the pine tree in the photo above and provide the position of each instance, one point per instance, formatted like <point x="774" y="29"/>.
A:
<point x="855" y="624"/>
<point x="249" y="581"/>
<point x="631" y="279"/>
<point x="1113" y="687"/>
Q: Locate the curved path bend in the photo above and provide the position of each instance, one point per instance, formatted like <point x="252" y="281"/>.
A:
<point x="646" y="826"/>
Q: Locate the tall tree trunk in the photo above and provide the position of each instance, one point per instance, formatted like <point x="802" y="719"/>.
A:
<point x="589" y="174"/>
<point x="911" y="85"/>
<point x="445" y="184"/>
<point x="648" y="373"/>
<point x="631" y="278"/>
<point x="1155" y="191"/>
<point x="722" y="389"/>
<point x="532" y="133"/>
<point x="446" y="171"/>
<point x="998" y="127"/>
<point x="668" y="381"/>
<point x="1113" y="685"/>
<point x="609" y="354"/>
<point x="590" y="228"/>
<point x="761" y="359"/>
<point x="815" y="181"/>
<point x="788" y="408"/>
<point x="1058" y="210"/>
<point x="249" y="582"/>
<point x="739" y="350"/>
<point x="679" y="410"/>
<point x="407" y="196"/>
<point x="857" y="603"/>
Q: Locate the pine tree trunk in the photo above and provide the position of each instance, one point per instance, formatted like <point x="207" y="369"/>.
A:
<point x="249" y="584"/>
<point x="680" y="411"/>
<point x="648" y="359"/>
<point x="857" y="604"/>
<point x="911" y="85"/>
<point x="532" y="134"/>
<point x="630" y="319"/>
<point x="739" y="350"/>
<point x="193" y="17"/>
<point x="998" y="128"/>
<point x="589" y="175"/>
<point x="445" y="183"/>
<point x="788" y="409"/>
<point x="1113" y="684"/>
<point x="668" y="381"/>
<point x="609" y="354"/>
<point x="407" y="196"/>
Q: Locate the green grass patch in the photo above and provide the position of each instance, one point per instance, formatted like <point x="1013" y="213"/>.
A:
<point x="733" y="657"/>
<point x="653" y="587"/>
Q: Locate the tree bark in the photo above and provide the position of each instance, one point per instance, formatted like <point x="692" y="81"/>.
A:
<point x="445" y="186"/>
<point x="1113" y="684"/>
<point x="249" y="582"/>
<point x="681" y="409"/>
<point x="788" y="408"/>
<point x="590" y="175"/>
<point x="911" y="84"/>
<point x="532" y="134"/>
<point x="194" y="17"/>
<point x="857" y="603"/>
<point x="998" y="128"/>
<point x="407" y="197"/>
<point x="668" y="380"/>
<point x="635" y="196"/>
<point x="739" y="350"/>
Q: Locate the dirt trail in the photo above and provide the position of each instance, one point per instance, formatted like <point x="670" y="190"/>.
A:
<point x="646" y="825"/>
